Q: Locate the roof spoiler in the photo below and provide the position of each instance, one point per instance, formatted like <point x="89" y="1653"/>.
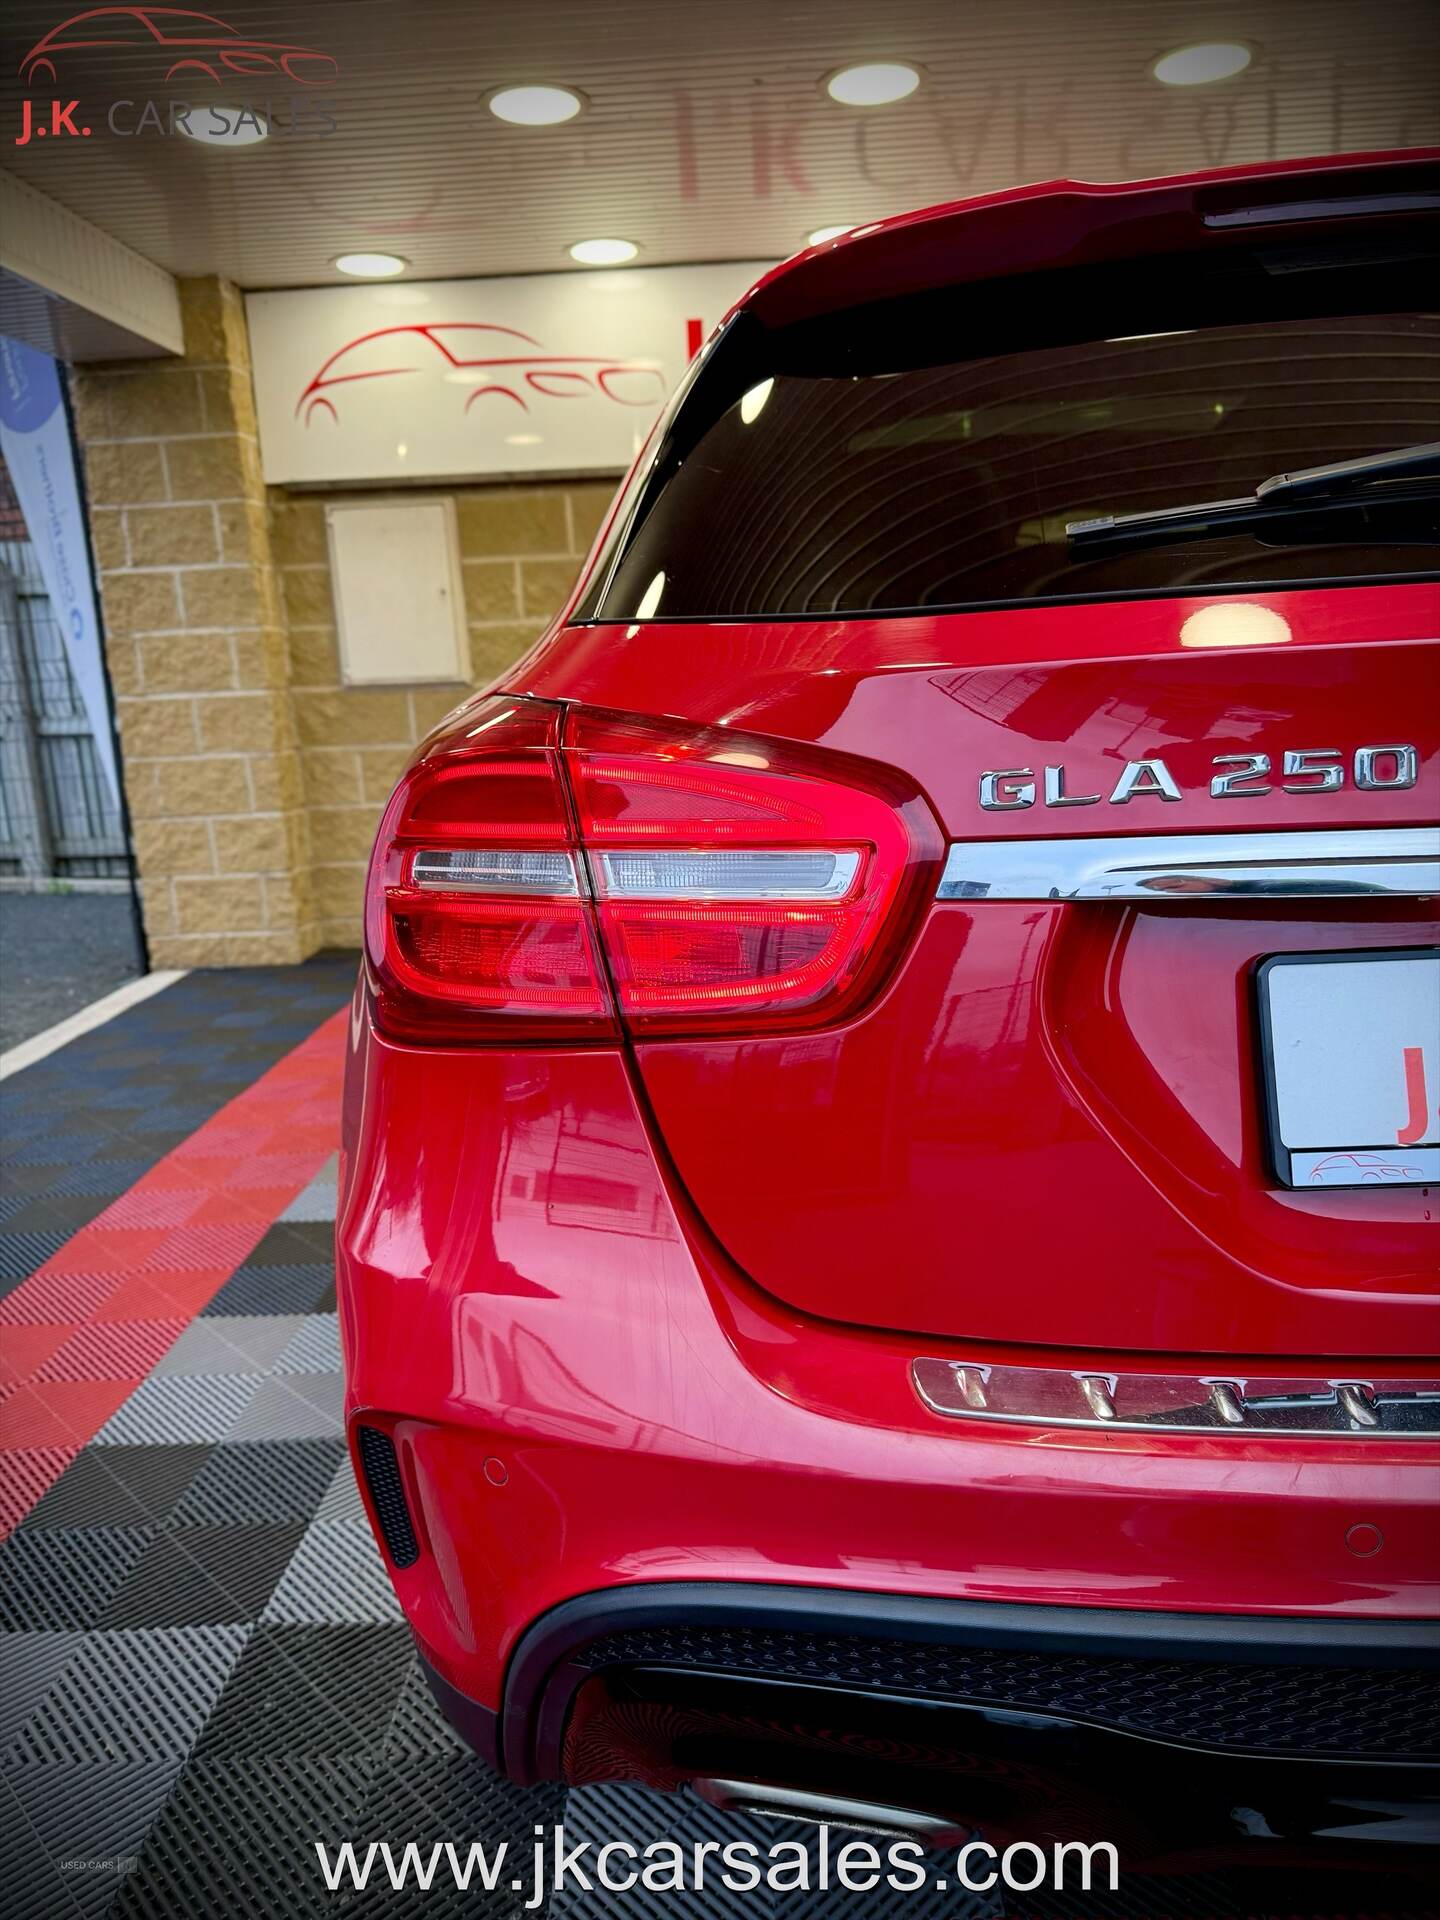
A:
<point x="1073" y="223"/>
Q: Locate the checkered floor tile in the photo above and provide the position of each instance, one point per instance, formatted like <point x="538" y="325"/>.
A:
<point x="203" y="1669"/>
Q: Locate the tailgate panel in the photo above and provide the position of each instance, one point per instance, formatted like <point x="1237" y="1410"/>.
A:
<point x="1050" y="1127"/>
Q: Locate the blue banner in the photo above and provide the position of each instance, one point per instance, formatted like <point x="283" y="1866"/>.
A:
<point x="35" y="439"/>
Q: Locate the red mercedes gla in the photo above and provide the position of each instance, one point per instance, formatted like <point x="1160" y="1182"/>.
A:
<point x="839" y="1309"/>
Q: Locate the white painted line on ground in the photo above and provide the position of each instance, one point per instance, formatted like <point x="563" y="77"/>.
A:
<point x="87" y="1019"/>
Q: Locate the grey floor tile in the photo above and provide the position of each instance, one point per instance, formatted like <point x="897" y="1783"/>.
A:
<point x="337" y="1577"/>
<point x="233" y="1343"/>
<point x="317" y="1202"/>
<point x="296" y="1406"/>
<point x="342" y="1497"/>
<point x="30" y="1663"/>
<point x="315" y="1347"/>
<point x="175" y="1407"/>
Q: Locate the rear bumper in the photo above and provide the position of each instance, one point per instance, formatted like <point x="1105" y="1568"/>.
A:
<point x="585" y="1396"/>
<point x="1189" y="1741"/>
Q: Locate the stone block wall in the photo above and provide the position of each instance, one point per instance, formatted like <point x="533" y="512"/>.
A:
<point x="521" y="548"/>
<point x="255" y="779"/>
<point x="195" y="639"/>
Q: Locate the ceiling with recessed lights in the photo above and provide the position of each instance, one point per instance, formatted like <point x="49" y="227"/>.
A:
<point x="705" y="133"/>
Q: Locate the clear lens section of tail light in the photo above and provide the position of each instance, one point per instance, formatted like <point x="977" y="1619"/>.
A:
<point x="741" y="884"/>
<point x="701" y="873"/>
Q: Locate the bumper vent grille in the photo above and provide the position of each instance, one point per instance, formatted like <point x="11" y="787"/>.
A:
<point x="387" y="1493"/>
<point x="1384" y="1712"/>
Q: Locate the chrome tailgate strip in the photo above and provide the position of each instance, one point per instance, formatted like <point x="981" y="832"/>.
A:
<point x="1400" y="1407"/>
<point x="1327" y="863"/>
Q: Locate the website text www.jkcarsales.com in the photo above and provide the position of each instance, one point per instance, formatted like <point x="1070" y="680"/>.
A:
<point x="552" y="1865"/>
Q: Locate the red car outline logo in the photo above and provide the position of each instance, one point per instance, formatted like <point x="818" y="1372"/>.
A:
<point x="232" y="53"/>
<point x="1371" y="1168"/>
<point x="554" y="376"/>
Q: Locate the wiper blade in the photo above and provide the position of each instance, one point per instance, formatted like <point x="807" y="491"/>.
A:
<point x="1329" y="500"/>
<point x="1345" y="476"/>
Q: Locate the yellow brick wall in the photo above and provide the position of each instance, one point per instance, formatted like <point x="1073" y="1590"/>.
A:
<point x="255" y="779"/>
<point x="196" y="645"/>
<point x="521" y="548"/>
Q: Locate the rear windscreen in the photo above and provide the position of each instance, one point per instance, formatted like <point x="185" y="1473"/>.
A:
<point x="869" y="476"/>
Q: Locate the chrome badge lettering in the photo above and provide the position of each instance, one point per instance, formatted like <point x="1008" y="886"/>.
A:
<point x="1237" y="776"/>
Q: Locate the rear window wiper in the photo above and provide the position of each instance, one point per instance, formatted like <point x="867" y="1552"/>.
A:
<point x="1330" y="501"/>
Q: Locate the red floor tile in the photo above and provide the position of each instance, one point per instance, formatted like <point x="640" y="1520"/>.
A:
<point x="50" y="1296"/>
<point x="23" y="1349"/>
<point x="25" y="1474"/>
<point x="112" y="1350"/>
<point x="98" y="1314"/>
<point x="60" y="1413"/>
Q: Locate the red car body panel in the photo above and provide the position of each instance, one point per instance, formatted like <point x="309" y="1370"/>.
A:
<point x="590" y="1394"/>
<point x="1106" y="1090"/>
<point x="645" y="1312"/>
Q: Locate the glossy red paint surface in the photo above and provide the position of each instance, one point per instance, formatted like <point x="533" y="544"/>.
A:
<point x="645" y="1311"/>
<point x="1049" y="1132"/>
<point x="1049" y="1129"/>
<point x="1093" y="685"/>
<point x="521" y="1283"/>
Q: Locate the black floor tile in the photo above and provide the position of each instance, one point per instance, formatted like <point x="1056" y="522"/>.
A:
<point x="30" y="1664"/>
<point x="236" y="1839"/>
<point x="291" y="1243"/>
<point x="251" y="1483"/>
<point x="139" y="1697"/>
<point x="310" y="1691"/>
<point x="122" y="1097"/>
<point x="63" y="1577"/>
<point x="251" y="1289"/>
<point x="203" y="1575"/>
<point x="119" y="1486"/>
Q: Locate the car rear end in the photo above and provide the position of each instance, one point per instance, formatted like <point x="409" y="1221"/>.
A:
<point x="887" y="1243"/>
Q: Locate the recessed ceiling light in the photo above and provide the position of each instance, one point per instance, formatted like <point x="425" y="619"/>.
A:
<point x="218" y="125"/>
<point x="876" y="84"/>
<point x="369" y="266"/>
<point x="535" y="106"/>
<point x="524" y="439"/>
<point x="1197" y="66"/>
<point x="822" y="234"/>
<point x="603" y="253"/>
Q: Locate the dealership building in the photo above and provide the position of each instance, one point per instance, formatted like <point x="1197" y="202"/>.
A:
<point x="257" y="737"/>
<point x="718" y="995"/>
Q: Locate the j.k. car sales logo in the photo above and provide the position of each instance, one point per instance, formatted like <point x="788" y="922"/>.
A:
<point x="182" y="48"/>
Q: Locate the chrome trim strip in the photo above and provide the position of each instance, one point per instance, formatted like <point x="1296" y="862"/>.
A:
<point x="1157" y="866"/>
<point x="1396" y="1408"/>
<point x="616" y="872"/>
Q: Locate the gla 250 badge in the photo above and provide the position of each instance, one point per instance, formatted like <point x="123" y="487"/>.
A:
<point x="1238" y="776"/>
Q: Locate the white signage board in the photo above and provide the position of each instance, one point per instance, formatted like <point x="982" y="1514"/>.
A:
<point x="476" y="379"/>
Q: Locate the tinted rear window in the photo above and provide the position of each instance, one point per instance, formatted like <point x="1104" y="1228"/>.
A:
<point x="874" y="484"/>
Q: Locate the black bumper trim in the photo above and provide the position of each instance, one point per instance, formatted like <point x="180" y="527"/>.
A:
<point x="478" y="1726"/>
<point x="543" y="1672"/>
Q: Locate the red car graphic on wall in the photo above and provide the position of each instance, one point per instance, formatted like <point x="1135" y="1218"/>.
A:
<point x="196" y="43"/>
<point x="485" y="361"/>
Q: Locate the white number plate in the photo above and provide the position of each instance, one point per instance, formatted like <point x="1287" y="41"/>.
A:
<point x="1352" y="1063"/>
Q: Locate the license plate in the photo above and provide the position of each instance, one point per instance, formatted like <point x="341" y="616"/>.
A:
<point x="1352" y="1067"/>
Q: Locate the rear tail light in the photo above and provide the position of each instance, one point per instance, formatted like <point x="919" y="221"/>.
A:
<point x="544" y="875"/>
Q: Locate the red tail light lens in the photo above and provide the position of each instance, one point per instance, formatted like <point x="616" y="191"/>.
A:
<point x="709" y="880"/>
<point x="738" y="884"/>
<point x="476" y="927"/>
